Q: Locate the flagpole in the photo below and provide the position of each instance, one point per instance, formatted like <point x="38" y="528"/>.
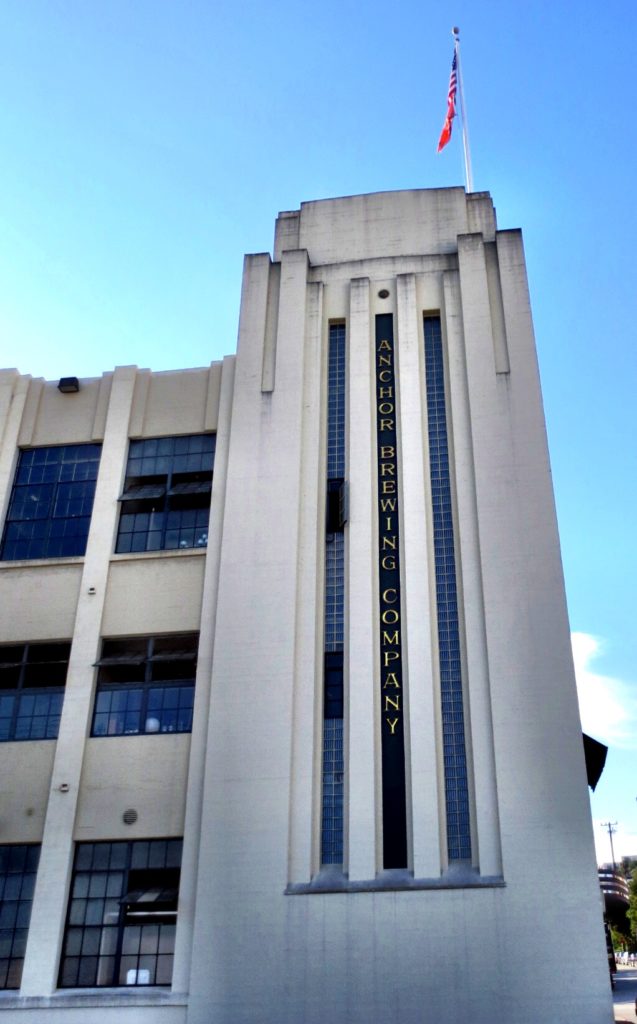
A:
<point x="465" y="127"/>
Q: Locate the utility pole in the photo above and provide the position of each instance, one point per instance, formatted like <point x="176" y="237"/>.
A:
<point x="611" y="827"/>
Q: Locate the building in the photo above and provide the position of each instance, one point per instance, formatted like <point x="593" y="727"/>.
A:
<point x="616" y="894"/>
<point x="289" y="714"/>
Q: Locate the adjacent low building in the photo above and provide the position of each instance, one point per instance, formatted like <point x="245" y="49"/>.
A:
<point x="288" y="715"/>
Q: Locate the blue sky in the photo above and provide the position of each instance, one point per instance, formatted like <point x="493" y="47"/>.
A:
<point x="148" y="144"/>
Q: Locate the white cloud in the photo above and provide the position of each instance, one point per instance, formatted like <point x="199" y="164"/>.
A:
<point x="608" y="706"/>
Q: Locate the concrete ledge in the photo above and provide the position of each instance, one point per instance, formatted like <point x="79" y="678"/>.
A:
<point x="460" y="877"/>
<point x="93" y="997"/>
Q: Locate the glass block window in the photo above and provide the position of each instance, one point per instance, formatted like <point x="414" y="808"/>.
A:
<point x="122" y="915"/>
<point x="51" y="502"/>
<point x="146" y="685"/>
<point x="334" y="591"/>
<point x="333" y="778"/>
<point x="453" y="731"/>
<point x="333" y="764"/>
<point x="32" y="680"/>
<point x="336" y="403"/>
<point x="18" y="868"/>
<point x="166" y="497"/>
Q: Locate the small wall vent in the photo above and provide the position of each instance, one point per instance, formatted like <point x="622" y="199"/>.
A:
<point x="129" y="817"/>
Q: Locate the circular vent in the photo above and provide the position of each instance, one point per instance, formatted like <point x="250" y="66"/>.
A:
<point x="383" y="294"/>
<point x="129" y="817"/>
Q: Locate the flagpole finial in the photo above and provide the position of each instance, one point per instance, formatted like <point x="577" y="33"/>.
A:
<point x="455" y="31"/>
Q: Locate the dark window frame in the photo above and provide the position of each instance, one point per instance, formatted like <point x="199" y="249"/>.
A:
<point x="165" y="503"/>
<point x="137" y="679"/>
<point x="122" y="914"/>
<point x="18" y="871"/>
<point x="20" y="672"/>
<point x="51" y="502"/>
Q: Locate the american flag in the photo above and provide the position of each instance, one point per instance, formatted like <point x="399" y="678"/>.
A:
<point x="445" y="134"/>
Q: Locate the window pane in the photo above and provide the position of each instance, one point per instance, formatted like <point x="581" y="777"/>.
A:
<point x="123" y="709"/>
<point x="183" y="466"/>
<point x="87" y="971"/>
<point x="17" y="877"/>
<point x="149" y="939"/>
<point x="53" y="488"/>
<point x="164" y="972"/>
<point x="131" y="940"/>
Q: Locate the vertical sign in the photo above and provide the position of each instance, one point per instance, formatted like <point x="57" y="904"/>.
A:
<point x="391" y="675"/>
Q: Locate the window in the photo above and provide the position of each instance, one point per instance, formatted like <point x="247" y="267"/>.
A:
<point x="166" y="499"/>
<point x="120" y="927"/>
<point x="51" y="503"/>
<point x="453" y="727"/>
<point x="32" y="679"/>
<point x="18" y="867"/>
<point x="333" y="768"/>
<point x="146" y="685"/>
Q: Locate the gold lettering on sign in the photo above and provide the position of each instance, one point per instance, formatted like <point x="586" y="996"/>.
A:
<point x="389" y="604"/>
<point x="388" y="542"/>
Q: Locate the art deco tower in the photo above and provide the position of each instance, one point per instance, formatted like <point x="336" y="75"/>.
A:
<point x="376" y="768"/>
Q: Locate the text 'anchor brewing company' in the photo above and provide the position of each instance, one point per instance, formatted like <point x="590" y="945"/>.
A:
<point x="390" y="626"/>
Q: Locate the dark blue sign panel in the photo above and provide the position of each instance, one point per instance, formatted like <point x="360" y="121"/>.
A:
<point x="391" y="674"/>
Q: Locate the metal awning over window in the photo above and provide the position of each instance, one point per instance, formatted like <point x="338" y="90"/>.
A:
<point x="191" y="487"/>
<point x="153" y="900"/>
<point x="121" y="659"/>
<point x="143" y="492"/>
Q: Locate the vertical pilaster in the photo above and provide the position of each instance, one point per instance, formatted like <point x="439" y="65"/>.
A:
<point x="13" y="396"/>
<point x="244" y="854"/>
<point x="257" y="360"/>
<point x="361" y="594"/>
<point x="417" y="610"/>
<point x="50" y="898"/>
<point x="201" y="712"/>
<point x="308" y="670"/>
<point x="485" y="402"/>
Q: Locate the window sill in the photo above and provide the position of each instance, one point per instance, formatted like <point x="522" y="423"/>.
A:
<point x="29" y="563"/>
<point x="133" y="556"/>
<point x="395" y="880"/>
<point x="89" y="997"/>
<point x="138" y="735"/>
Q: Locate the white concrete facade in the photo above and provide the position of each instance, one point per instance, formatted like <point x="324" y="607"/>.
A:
<point x="263" y="933"/>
